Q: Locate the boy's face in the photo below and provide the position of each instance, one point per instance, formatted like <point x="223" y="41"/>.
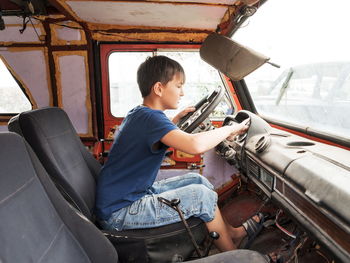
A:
<point x="172" y="92"/>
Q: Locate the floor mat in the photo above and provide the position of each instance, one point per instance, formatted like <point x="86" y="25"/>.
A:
<point x="242" y="207"/>
<point x="271" y="239"/>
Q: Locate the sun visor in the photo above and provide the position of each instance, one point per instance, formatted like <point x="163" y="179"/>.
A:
<point x="229" y="57"/>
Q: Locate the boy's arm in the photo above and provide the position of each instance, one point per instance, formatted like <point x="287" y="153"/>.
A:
<point x="201" y="142"/>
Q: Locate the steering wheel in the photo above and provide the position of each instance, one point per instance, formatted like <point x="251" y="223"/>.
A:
<point x="229" y="120"/>
<point x="230" y="149"/>
<point x="203" y="108"/>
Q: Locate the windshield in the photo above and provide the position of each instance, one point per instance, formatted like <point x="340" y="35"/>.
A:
<point x="308" y="40"/>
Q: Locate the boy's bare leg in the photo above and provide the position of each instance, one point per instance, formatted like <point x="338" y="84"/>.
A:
<point x="224" y="243"/>
<point x="238" y="233"/>
<point x="229" y="235"/>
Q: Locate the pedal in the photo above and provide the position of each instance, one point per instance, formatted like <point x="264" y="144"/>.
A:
<point x="269" y="222"/>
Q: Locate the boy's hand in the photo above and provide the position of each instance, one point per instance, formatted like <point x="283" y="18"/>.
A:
<point x="183" y="113"/>
<point x="243" y="126"/>
<point x="239" y="129"/>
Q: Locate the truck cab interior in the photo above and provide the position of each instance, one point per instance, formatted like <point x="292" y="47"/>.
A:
<point x="68" y="79"/>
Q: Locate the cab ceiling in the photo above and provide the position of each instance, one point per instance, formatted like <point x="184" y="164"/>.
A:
<point x="187" y="14"/>
<point x="168" y="14"/>
<point x="133" y="20"/>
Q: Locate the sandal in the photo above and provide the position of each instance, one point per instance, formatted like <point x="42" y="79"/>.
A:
<point x="252" y="228"/>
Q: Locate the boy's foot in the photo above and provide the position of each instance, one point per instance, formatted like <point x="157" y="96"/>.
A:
<point x="252" y="227"/>
<point x="273" y="258"/>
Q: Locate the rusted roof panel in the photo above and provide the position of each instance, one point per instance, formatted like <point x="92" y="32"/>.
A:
<point x="149" y="14"/>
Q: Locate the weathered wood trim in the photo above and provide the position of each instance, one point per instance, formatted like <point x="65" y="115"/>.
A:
<point x="51" y="64"/>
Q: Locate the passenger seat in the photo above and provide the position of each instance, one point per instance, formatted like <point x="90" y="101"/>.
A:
<point x="38" y="225"/>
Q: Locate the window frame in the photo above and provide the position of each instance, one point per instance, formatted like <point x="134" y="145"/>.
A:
<point x="106" y="49"/>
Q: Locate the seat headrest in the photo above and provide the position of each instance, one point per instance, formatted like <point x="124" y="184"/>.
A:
<point x="53" y="138"/>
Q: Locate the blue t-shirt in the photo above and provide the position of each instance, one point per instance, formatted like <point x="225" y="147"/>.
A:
<point x="133" y="163"/>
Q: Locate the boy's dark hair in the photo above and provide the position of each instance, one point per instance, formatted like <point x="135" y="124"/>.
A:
<point x="154" y="69"/>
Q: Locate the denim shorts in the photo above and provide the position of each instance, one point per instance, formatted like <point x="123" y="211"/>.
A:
<point x="197" y="198"/>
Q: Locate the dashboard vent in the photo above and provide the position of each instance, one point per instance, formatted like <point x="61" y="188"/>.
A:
<point x="262" y="144"/>
<point x="252" y="168"/>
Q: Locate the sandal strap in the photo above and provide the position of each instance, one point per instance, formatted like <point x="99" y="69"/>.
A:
<point x="251" y="226"/>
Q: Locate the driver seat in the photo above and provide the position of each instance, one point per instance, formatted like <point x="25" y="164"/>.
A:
<point x="74" y="171"/>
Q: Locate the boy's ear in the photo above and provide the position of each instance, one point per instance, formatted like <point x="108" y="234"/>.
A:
<point x="157" y="88"/>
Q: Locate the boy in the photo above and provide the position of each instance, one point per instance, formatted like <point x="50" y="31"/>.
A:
<point x="126" y="192"/>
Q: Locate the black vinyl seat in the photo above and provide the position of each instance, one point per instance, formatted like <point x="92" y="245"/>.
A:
<point x="54" y="140"/>
<point x="38" y="225"/>
<point x="74" y="171"/>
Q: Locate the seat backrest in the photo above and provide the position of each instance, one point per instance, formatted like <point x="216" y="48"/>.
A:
<point x="55" y="141"/>
<point x="37" y="224"/>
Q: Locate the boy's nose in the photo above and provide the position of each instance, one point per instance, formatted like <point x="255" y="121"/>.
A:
<point x="182" y="92"/>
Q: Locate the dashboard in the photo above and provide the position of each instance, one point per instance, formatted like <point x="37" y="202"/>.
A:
<point x="308" y="179"/>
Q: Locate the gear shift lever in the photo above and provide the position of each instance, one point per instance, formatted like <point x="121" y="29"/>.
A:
<point x="174" y="203"/>
<point x="213" y="236"/>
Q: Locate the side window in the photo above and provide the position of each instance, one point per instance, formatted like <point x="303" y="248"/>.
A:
<point x="201" y="79"/>
<point x="124" y="91"/>
<point x="12" y="97"/>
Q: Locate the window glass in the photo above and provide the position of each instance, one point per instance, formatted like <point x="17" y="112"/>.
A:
<point x="311" y="88"/>
<point x="124" y="91"/>
<point x="12" y="98"/>
<point x="201" y="79"/>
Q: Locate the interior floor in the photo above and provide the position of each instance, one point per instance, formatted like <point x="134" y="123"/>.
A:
<point x="271" y="239"/>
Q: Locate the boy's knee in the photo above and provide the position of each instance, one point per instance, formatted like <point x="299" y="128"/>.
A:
<point x="193" y="176"/>
<point x="200" y="179"/>
<point x="206" y="202"/>
<point x="203" y="191"/>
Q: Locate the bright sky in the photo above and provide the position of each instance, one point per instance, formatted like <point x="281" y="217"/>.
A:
<point x="299" y="31"/>
<point x="6" y="78"/>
